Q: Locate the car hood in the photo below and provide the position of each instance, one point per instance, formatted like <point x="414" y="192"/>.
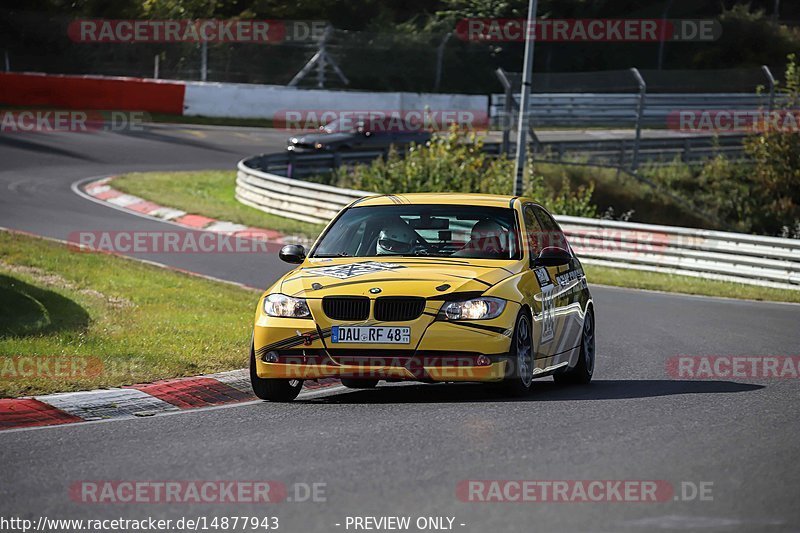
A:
<point x="403" y="276"/>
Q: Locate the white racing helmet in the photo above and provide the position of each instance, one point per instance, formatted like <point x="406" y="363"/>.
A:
<point x="396" y="238"/>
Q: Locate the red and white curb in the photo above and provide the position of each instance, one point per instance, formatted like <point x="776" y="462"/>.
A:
<point x="100" y="190"/>
<point x="160" y="397"/>
<point x="134" y="401"/>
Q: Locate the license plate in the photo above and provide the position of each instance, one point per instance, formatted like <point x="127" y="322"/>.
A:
<point x="371" y="334"/>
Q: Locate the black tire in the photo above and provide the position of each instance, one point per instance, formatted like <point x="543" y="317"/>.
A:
<point x="352" y="383"/>
<point x="518" y="383"/>
<point x="272" y="390"/>
<point x="582" y="373"/>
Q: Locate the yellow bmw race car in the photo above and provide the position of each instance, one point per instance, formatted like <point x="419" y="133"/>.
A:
<point x="431" y="288"/>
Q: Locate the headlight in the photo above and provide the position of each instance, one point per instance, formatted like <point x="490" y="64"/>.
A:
<point x="319" y="146"/>
<point x="281" y="305"/>
<point x="475" y="309"/>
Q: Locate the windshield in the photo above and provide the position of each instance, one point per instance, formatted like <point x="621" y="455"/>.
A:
<point x="422" y="230"/>
<point x="340" y="126"/>
<point x="346" y="125"/>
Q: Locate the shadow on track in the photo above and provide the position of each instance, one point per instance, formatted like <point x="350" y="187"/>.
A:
<point x="178" y="137"/>
<point x="544" y="391"/>
<point x="45" y="148"/>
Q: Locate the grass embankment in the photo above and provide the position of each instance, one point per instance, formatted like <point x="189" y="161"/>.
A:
<point x="210" y="193"/>
<point x="656" y="281"/>
<point x="109" y="321"/>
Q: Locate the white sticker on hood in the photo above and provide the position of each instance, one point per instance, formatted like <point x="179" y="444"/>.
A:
<point x="354" y="269"/>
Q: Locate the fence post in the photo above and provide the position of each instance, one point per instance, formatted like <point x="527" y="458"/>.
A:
<point x="508" y="106"/>
<point x="639" y="116"/>
<point x="771" y="80"/>
<point x="439" y="61"/>
<point x="204" y="61"/>
<point x="524" y="102"/>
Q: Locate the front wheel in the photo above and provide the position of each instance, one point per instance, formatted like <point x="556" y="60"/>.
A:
<point x="521" y="358"/>
<point x="273" y="390"/>
<point x="582" y="373"/>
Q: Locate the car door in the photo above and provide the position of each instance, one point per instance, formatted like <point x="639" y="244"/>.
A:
<point x="569" y="281"/>
<point x="542" y="285"/>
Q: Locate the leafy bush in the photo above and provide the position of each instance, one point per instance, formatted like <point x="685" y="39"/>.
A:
<point x="776" y="173"/>
<point x="720" y="190"/>
<point x="455" y="162"/>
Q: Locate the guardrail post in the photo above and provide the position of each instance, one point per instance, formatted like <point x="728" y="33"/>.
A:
<point x="639" y="115"/>
<point x="290" y="165"/>
<point x="507" y="107"/>
<point x="771" y="80"/>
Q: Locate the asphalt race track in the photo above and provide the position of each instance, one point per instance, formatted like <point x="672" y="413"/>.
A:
<point x="402" y="450"/>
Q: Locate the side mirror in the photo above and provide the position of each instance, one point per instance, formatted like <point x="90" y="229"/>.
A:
<point x="292" y="253"/>
<point x="553" y="256"/>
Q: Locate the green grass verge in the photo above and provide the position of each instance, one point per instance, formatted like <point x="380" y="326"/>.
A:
<point x="637" y="279"/>
<point x="130" y="321"/>
<point x="209" y="193"/>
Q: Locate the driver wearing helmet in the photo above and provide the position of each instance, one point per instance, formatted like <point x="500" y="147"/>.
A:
<point x="487" y="240"/>
<point x="396" y="237"/>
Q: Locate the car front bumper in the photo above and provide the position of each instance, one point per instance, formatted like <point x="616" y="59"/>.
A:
<point x="445" y="351"/>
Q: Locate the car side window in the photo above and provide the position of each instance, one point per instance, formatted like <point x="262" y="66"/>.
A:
<point x="533" y="230"/>
<point x="552" y="235"/>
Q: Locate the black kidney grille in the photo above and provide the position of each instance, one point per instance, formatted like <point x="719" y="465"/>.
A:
<point x="389" y="308"/>
<point x="356" y="308"/>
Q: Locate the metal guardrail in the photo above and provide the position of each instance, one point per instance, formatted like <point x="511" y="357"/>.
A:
<point x="655" y="151"/>
<point x="620" y="109"/>
<point x="751" y="259"/>
<point x="258" y="185"/>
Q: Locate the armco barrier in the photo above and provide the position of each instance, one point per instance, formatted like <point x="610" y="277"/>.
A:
<point x="91" y="92"/>
<point x="751" y="259"/>
<point x="619" y="109"/>
<point x="288" y="197"/>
